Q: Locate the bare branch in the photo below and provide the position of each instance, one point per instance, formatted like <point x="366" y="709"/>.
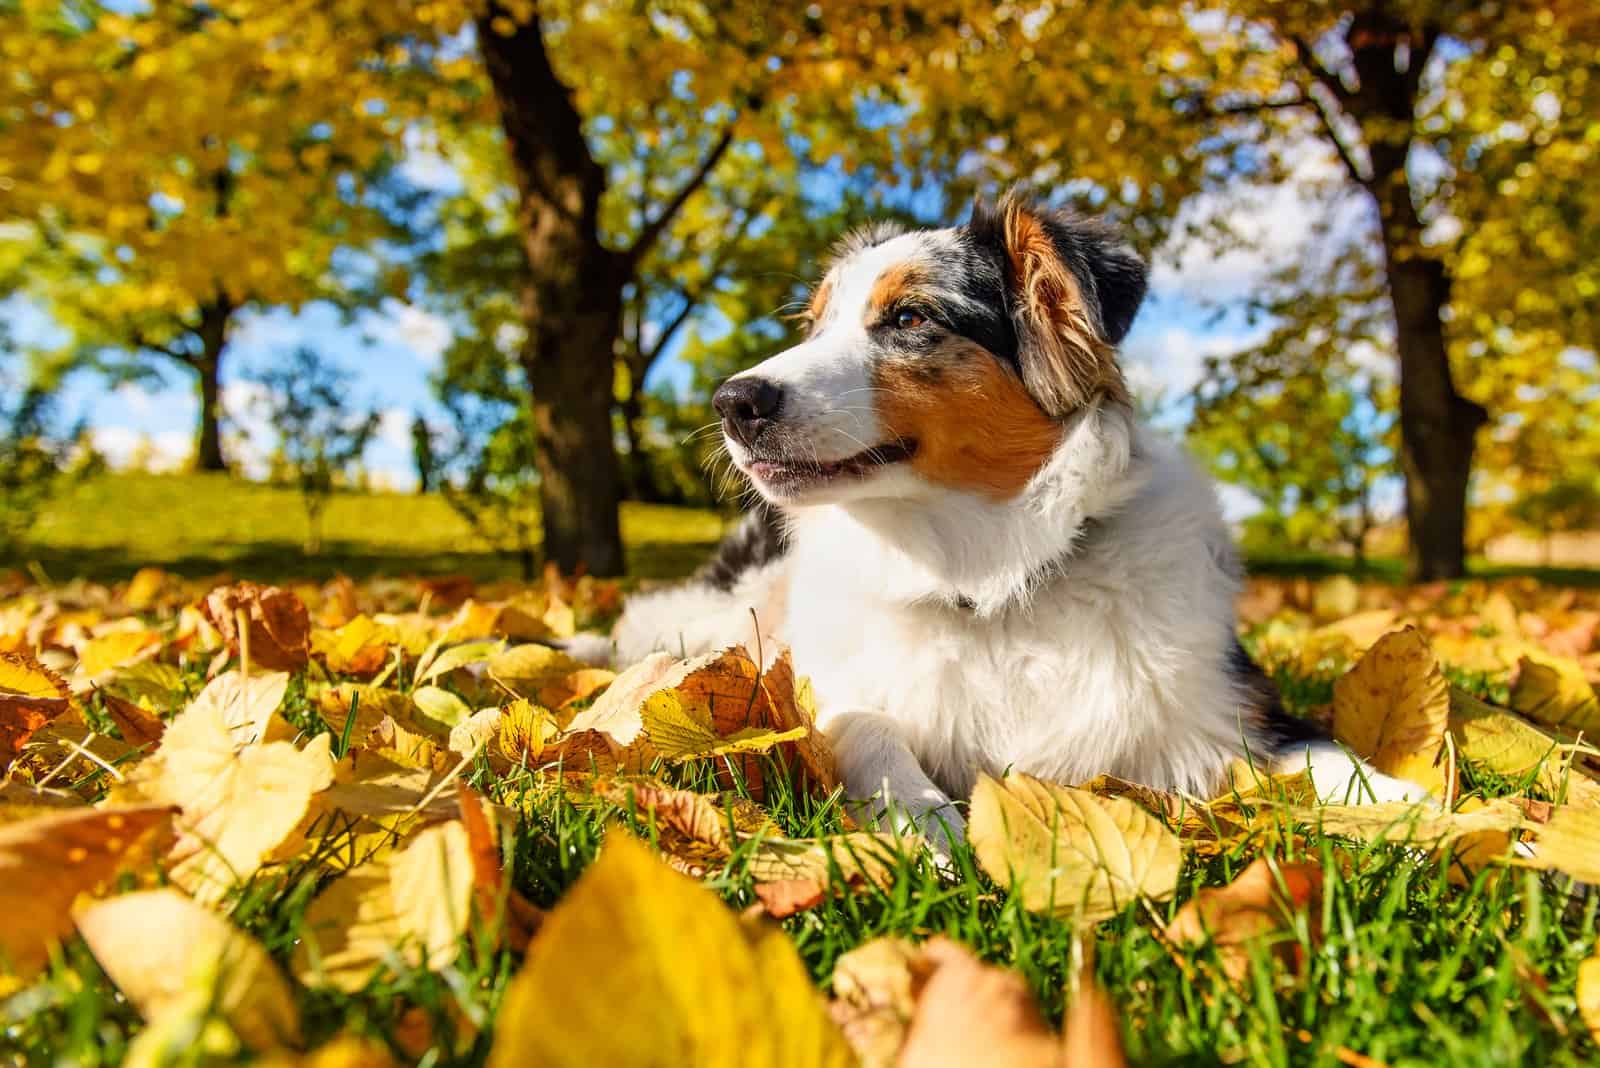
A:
<point x="1346" y="156"/>
<point x="654" y="228"/>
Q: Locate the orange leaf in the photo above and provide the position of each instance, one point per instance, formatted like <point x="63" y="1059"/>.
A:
<point x="278" y="628"/>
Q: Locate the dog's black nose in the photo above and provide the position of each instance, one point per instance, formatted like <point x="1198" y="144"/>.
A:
<point x="747" y="406"/>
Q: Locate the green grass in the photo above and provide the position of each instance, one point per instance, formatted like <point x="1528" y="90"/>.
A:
<point x="108" y="527"/>
<point x="1411" y="970"/>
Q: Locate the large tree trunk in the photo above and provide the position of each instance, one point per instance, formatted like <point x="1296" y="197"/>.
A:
<point x="572" y="302"/>
<point x="213" y="332"/>
<point x="1437" y="424"/>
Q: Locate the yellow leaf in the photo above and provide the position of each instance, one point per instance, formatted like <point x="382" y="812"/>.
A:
<point x="47" y="861"/>
<point x="245" y="702"/>
<point x="161" y="949"/>
<point x="238" y="805"/>
<point x="700" y="986"/>
<point x="526" y="669"/>
<point x="26" y="677"/>
<point x="116" y="649"/>
<point x="1513" y="747"/>
<point x="360" y="647"/>
<point x="681" y="730"/>
<point x="415" y="903"/>
<point x="1570" y="843"/>
<point x="1393" y="710"/>
<point x="31" y="695"/>
<point x="1554" y="691"/>
<point x="1588" y="994"/>
<point x="1070" y="853"/>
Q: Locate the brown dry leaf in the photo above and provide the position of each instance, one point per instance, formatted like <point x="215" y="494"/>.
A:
<point x="48" y="860"/>
<point x="1067" y="852"/>
<point x="696" y="832"/>
<point x="117" y="649"/>
<point x="495" y="896"/>
<point x="1393" y="710"/>
<point x="1092" y="1032"/>
<point x="1260" y="903"/>
<point x="164" y="952"/>
<point x="31" y="695"/>
<point x="719" y="992"/>
<point x="416" y="903"/>
<point x="1588" y="994"/>
<point x="239" y="805"/>
<point x="277" y="626"/>
<point x="971" y="1015"/>
<point x="1554" y="691"/>
<point x="616" y="712"/>
<point x="138" y="727"/>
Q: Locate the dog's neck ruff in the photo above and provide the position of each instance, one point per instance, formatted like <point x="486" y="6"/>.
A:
<point x="971" y="553"/>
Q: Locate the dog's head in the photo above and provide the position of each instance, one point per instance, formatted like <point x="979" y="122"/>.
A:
<point x="943" y="358"/>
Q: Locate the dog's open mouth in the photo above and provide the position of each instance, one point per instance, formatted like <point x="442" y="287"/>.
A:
<point x="792" y="474"/>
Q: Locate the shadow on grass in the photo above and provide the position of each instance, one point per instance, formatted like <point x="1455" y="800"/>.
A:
<point x="282" y="561"/>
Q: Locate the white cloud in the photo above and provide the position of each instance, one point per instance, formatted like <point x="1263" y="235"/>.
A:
<point x="125" y="447"/>
<point x="408" y="326"/>
<point x="1167" y="362"/>
<point x="1271" y="226"/>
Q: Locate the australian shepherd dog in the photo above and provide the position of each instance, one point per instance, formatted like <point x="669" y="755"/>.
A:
<point x="972" y="546"/>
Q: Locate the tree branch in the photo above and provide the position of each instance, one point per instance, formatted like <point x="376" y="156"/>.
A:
<point x="1345" y="155"/>
<point x="654" y="228"/>
<point x="1308" y="59"/>
<point x="1253" y="107"/>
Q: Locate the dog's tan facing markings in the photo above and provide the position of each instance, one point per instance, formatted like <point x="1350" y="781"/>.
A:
<point x="817" y="306"/>
<point x="974" y="424"/>
<point x="891" y="287"/>
<point x="1064" y="361"/>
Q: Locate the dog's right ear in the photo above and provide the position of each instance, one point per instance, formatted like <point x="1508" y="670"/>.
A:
<point x="1073" y="287"/>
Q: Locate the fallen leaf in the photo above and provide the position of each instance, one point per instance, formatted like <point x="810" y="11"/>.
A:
<point x="162" y="949"/>
<point x="1554" y="691"/>
<point x="873" y="1000"/>
<point x="1569" y="842"/>
<point x="442" y="708"/>
<point x="1260" y="905"/>
<point x="523" y="670"/>
<point x="137" y="727"/>
<point x="415" y="903"/>
<point x="239" y="805"/>
<point x="31" y="695"/>
<point x="277" y="626"/>
<point x="696" y="832"/>
<point x="719" y="992"/>
<point x="48" y="860"/>
<point x="1511" y="746"/>
<point x="783" y="899"/>
<point x="1404" y="823"/>
<point x="1069" y="853"/>
<point x="972" y="1014"/>
<point x="1092" y="1033"/>
<point x="1588" y="995"/>
<point x="360" y="647"/>
<point x="496" y="898"/>
<point x="837" y="862"/>
<point x="345" y="1052"/>
<point x="454" y="657"/>
<point x="1393" y="710"/>
<point x="117" y="649"/>
<point x="681" y="730"/>
<point x="244" y="702"/>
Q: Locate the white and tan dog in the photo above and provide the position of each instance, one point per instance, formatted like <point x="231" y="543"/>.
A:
<point x="978" y="554"/>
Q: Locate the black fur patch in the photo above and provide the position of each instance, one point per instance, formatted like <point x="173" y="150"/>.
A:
<point x="1264" y="710"/>
<point x="758" y="539"/>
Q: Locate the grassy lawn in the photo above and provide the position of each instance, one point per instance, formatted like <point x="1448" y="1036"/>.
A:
<point x="109" y="527"/>
<point x="1408" y="958"/>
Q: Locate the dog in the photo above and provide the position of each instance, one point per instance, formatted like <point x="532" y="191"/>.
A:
<point x="971" y="544"/>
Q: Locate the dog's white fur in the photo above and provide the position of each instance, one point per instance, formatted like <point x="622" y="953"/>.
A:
<point x="1082" y="627"/>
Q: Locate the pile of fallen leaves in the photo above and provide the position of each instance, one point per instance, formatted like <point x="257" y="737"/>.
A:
<point x="169" y="748"/>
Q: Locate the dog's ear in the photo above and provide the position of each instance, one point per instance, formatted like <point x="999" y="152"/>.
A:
<point x="1075" y="287"/>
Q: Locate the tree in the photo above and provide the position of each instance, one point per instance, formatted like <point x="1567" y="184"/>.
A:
<point x="34" y="457"/>
<point x="490" y="476"/>
<point x="173" y="165"/>
<point x="320" y="434"/>
<point x="1396" y="92"/>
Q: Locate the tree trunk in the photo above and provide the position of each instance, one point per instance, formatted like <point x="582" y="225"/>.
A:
<point x="213" y="334"/>
<point x="571" y="303"/>
<point x="1437" y="424"/>
<point x="641" y="480"/>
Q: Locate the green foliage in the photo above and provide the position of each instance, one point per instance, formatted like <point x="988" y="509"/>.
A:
<point x="321" y="434"/>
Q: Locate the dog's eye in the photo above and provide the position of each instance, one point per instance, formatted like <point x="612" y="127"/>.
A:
<point x="909" y="320"/>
